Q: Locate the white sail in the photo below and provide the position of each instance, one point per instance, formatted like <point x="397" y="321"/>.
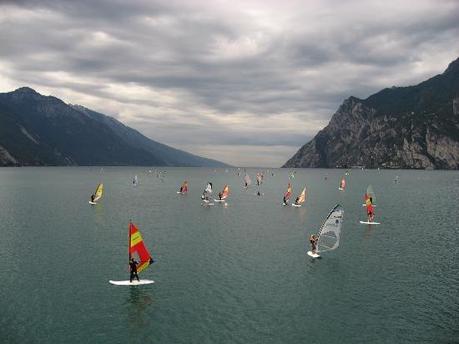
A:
<point x="330" y="231"/>
<point x="247" y="180"/>
<point x="208" y="188"/>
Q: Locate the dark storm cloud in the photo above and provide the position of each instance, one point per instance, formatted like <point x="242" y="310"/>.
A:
<point x="257" y="73"/>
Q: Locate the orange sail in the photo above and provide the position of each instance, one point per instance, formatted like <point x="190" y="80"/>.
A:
<point x="138" y="248"/>
<point x="225" y="192"/>
<point x="302" y="197"/>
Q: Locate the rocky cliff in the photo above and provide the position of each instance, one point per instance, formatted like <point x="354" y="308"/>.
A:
<point x="398" y="127"/>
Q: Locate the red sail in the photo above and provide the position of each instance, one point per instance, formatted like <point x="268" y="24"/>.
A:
<point x="137" y="247"/>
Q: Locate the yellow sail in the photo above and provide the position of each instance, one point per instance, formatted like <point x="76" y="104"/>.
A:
<point x="99" y="192"/>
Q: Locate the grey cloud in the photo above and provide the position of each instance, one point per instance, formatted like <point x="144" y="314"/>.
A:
<point x="305" y="66"/>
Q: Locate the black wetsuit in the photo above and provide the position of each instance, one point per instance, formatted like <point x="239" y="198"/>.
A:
<point x="133" y="265"/>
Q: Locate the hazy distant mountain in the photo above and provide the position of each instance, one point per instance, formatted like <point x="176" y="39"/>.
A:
<point x="398" y="127"/>
<point x="43" y="130"/>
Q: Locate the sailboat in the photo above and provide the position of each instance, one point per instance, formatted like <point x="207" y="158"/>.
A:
<point x="97" y="194"/>
<point x="247" y="181"/>
<point x="184" y="188"/>
<point x="287" y="194"/>
<point x="369" y="197"/>
<point x="207" y="194"/>
<point x="137" y="249"/>
<point x="342" y="185"/>
<point x="300" y="199"/>
<point x="222" y="196"/>
<point x="329" y="233"/>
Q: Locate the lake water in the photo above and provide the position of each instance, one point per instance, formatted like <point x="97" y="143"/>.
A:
<point x="235" y="274"/>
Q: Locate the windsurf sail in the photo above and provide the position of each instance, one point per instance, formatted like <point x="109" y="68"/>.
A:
<point x="247" y="180"/>
<point x="288" y="193"/>
<point x="369" y="196"/>
<point x="225" y="193"/>
<point x="135" y="181"/>
<point x="342" y="184"/>
<point x="329" y="234"/>
<point x="207" y="192"/>
<point x="184" y="187"/>
<point x="301" y="197"/>
<point x="99" y="192"/>
<point x="259" y="178"/>
<point x="137" y="248"/>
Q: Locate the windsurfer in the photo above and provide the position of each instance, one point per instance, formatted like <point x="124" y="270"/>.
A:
<point x="93" y="197"/>
<point x="313" y="240"/>
<point x="220" y="195"/>
<point x="133" y="266"/>
<point x="370" y="211"/>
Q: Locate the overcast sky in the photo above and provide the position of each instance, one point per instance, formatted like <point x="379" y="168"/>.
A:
<point x="244" y="82"/>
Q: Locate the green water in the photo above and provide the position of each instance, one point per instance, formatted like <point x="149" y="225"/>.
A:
<point x="235" y="274"/>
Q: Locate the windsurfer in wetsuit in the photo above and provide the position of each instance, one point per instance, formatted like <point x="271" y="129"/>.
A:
<point x="313" y="240"/>
<point x="220" y="195"/>
<point x="133" y="266"/>
<point x="92" y="198"/>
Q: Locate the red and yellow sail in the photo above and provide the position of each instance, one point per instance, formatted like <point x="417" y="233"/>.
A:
<point x="137" y="247"/>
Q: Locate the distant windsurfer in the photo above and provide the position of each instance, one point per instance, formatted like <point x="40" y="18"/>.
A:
<point x="133" y="266"/>
<point x="370" y="211"/>
<point x="93" y="198"/>
<point x="220" y="195"/>
<point x="313" y="240"/>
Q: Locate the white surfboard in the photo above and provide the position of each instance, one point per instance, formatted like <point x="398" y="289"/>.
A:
<point x="369" y="223"/>
<point x="296" y="205"/>
<point x="313" y="255"/>
<point x="364" y="205"/>
<point x="92" y="203"/>
<point x="219" y="200"/>
<point x="133" y="283"/>
<point x="340" y="189"/>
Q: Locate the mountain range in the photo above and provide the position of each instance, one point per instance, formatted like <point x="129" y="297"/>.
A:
<point x="398" y="127"/>
<point x="39" y="130"/>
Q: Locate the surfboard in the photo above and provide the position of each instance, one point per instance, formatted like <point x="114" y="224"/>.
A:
<point x="340" y="189"/>
<point x="364" y="205"/>
<point x="92" y="203"/>
<point x="369" y="223"/>
<point x="296" y="205"/>
<point x="133" y="283"/>
<point x="219" y="200"/>
<point x="313" y="255"/>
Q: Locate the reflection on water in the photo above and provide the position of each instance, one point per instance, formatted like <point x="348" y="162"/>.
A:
<point x="138" y="301"/>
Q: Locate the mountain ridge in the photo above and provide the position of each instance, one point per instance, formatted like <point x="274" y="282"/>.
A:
<point x="40" y="130"/>
<point x="398" y="127"/>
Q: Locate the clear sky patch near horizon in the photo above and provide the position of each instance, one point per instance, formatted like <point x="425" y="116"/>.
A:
<point x="244" y="82"/>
